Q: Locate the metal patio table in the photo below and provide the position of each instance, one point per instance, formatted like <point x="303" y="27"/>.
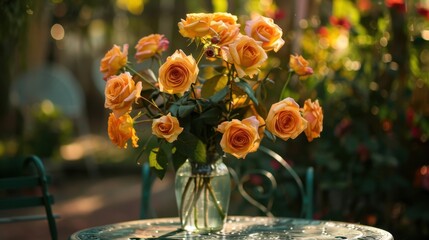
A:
<point x="236" y="227"/>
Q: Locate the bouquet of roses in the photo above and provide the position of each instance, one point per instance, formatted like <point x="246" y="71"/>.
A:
<point x="203" y="107"/>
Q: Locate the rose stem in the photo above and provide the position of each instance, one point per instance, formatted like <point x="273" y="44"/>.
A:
<point x="284" y="86"/>
<point x="200" y="190"/>
<point x="182" y="203"/>
<point x="206" y="193"/>
<point x="197" y="193"/>
<point x="138" y="74"/>
<point x="218" y="207"/>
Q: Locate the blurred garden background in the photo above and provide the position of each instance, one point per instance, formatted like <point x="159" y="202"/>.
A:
<point x="371" y="76"/>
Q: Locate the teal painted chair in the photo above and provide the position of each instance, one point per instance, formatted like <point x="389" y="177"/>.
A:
<point x="261" y="197"/>
<point x="24" y="187"/>
<point x="146" y="188"/>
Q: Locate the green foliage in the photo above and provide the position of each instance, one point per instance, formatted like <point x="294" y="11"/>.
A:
<point x="374" y="94"/>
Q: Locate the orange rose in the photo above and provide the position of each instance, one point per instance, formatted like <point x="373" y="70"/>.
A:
<point x="265" y="30"/>
<point x="177" y="73"/>
<point x="240" y="137"/>
<point x="246" y="54"/>
<point x="195" y="25"/>
<point x="299" y="65"/>
<point x="284" y="119"/>
<point x="113" y="61"/>
<point x="121" y="129"/>
<point x="224" y="27"/>
<point x="166" y="127"/>
<point x="225" y="33"/>
<point x="120" y="92"/>
<point x="227" y="18"/>
<point x="150" y="45"/>
<point x="313" y="113"/>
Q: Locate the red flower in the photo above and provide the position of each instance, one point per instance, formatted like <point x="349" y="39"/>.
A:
<point x="340" y="22"/>
<point x="423" y="10"/>
<point x="323" y="32"/>
<point x="410" y="116"/>
<point x="364" y="5"/>
<point x="279" y="14"/>
<point x="399" y="5"/>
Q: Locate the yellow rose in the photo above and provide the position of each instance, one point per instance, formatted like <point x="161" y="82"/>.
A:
<point x="195" y="25"/>
<point x="265" y="30"/>
<point x="150" y="45"/>
<point x="284" y="119"/>
<point x="121" y="129"/>
<point x="240" y="137"/>
<point x="113" y="61"/>
<point x="177" y="73"/>
<point x="299" y="65"/>
<point x="166" y="127"/>
<point x="313" y="113"/>
<point x="246" y="54"/>
<point x="120" y="92"/>
<point x="225" y="28"/>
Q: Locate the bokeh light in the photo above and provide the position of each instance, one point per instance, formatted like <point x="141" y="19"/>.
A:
<point x="57" y="32"/>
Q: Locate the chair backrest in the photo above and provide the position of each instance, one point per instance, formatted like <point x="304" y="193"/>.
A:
<point x="16" y="192"/>
<point x="147" y="181"/>
<point x="269" y="185"/>
<point x="58" y="85"/>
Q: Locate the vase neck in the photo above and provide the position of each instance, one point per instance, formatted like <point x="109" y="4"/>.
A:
<point x="207" y="167"/>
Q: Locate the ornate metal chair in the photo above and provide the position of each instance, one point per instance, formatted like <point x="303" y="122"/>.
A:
<point x="270" y="184"/>
<point x="27" y="188"/>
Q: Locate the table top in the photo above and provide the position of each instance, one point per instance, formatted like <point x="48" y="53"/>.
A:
<point x="237" y="227"/>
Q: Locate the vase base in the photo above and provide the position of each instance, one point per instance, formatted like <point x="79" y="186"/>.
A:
<point x="193" y="229"/>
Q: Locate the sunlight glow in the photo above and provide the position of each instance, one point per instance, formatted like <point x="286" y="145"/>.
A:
<point x="424" y="170"/>
<point x="425" y="35"/>
<point x="373" y="86"/>
<point x="342" y="42"/>
<point x="387" y="58"/>
<point x="47" y="107"/>
<point x="83" y="205"/>
<point x="383" y="42"/>
<point x="133" y="6"/>
<point x="57" y="32"/>
<point x="352" y="65"/>
<point x="72" y="152"/>
<point x="303" y="23"/>
<point x="331" y="88"/>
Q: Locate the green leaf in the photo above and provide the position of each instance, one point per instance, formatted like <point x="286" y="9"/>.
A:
<point x="269" y="135"/>
<point x="178" y="159"/>
<point x="248" y="90"/>
<point x="219" y="96"/>
<point x="210" y="117"/>
<point x="200" y="152"/>
<point x="190" y="146"/>
<point x="213" y="85"/>
<point x="153" y="163"/>
<point x="352" y="13"/>
<point x="158" y="158"/>
<point x="174" y="109"/>
<point x="185" y="110"/>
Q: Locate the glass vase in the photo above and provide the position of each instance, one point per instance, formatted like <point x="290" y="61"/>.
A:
<point x="202" y="195"/>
